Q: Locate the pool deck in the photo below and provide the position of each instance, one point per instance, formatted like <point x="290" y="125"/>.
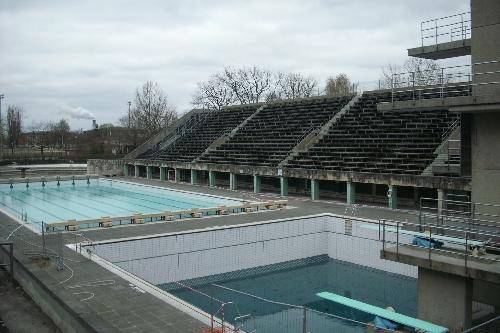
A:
<point x="101" y="301"/>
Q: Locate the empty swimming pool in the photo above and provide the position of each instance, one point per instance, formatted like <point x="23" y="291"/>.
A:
<point x="94" y="198"/>
<point x="297" y="282"/>
<point x="266" y="274"/>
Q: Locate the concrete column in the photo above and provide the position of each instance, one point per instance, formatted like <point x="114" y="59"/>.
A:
<point x="257" y="181"/>
<point x="416" y="196"/>
<point x="125" y="170"/>
<point x="136" y="171"/>
<point x="194" y="177"/>
<point x="441" y="204"/>
<point x="284" y="186"/>
<point x="149" y="172"/>
<point x="314" y="189"/>
<point x="392" y="195"/>
<point x="351" y="193"/>
<point x="233" y="181"/>
<point x="211" y="178"/>
<point x="177" y="175"/>
<point x="444" y="299"/>
<point x="163" y="173"/>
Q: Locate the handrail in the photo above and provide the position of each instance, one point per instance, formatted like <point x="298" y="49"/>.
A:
<point x="459" y="29"/>
<point x="473" y="329"/>
<point x="458" y="80"/>
<point x="301" y="307"/>
<point x="446" y="17"/>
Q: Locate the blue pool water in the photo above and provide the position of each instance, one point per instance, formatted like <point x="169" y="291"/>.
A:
<point x="297" y="283"/>
<point x="99" y="197"/>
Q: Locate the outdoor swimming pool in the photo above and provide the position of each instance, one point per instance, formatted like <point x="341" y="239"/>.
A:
<point x="82" y="200"/>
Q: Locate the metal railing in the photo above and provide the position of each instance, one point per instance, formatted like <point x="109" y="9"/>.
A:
<point x="460" y="242"/>
<point x="460" y="213"/>
<point x="445" y="29"/>
<point x="490" y="326"/>
<point x="460" y="80"/>
<point x="293" y="318"/>
<point x="10" y="255"/>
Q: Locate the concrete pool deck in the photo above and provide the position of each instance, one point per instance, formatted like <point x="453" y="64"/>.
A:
<point x="88" y="298"/>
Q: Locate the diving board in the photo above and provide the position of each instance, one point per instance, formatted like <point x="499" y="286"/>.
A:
<point x="392" y="316"/>
<point x="454" y="240"/>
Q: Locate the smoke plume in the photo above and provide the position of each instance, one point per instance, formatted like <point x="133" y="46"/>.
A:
<point x="77" y="112"/>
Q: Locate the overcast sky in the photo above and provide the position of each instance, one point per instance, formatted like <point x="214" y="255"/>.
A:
<point x="86" y="58"/>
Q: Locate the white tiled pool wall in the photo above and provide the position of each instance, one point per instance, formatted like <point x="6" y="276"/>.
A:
<point x="191" y="255"/>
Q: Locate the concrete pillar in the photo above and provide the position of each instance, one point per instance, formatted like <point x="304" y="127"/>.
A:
<point x="441" y="204"/>
<point x="284" y="186"/>
<point x="194" y="177"/>
<point x="163" y="173"/>
<point x="149" y="172"/>
<point x="233" y="181"/>
<point x="257" y="181"/>
<point x="444" y="299"/>
<point x="125" y="170"/>
<point x="177" y="175"/>
<point x="314" y="189"/>
<point x="136" y="171"/>
<point x="392" y="195"/>
<point x="211" y="178"/>
<point x="351" y="193"/>
<point x="416" y="196"/>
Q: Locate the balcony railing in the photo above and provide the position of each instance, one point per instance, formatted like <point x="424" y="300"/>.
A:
<point x="445" y="29"/>
<point x="461" y="80"/>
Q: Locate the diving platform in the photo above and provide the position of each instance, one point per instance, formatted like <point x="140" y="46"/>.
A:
<point x="452" y="49"/>
<point x="401" y="319"/>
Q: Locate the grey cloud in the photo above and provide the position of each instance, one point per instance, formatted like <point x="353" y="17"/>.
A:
<point x="96" y="53"/>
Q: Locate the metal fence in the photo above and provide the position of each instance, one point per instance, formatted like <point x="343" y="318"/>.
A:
<point x="46" y="247"/>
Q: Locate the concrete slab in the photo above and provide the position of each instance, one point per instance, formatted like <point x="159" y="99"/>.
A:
<point x="479" y="268"/>
<point x="446" y="50"/>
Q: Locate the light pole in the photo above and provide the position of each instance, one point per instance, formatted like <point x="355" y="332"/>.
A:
<point x="2" y="96"/>
<point x="129" y="103"/>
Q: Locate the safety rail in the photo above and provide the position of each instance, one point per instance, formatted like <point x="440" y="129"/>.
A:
<point x="490" y="326"/>
<point x="308" y="316"/>
<point x="445" y="29"/>
<point x="461" y="214"/>
<point x="460" y="243"/>
<point x="452" y="81"/>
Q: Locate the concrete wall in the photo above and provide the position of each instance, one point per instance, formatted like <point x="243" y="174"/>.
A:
<point x="63" y="316"/>
<point x="105" y="167"/>
<point x="485" y="148"/>
<point x="485" y="44"/>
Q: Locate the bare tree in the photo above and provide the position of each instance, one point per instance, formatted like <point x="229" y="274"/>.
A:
<point x="14" y="125"/>
<point x="340" y="85"/>
<point x="152" y="110"/>
<point x="414" y="71"/>
<point x="42" y="136"/>
<point x="249" y="84"/>
<point x="292" y="85"/>
<point x="213" y="94"/>
<point x="61" y="131"/>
